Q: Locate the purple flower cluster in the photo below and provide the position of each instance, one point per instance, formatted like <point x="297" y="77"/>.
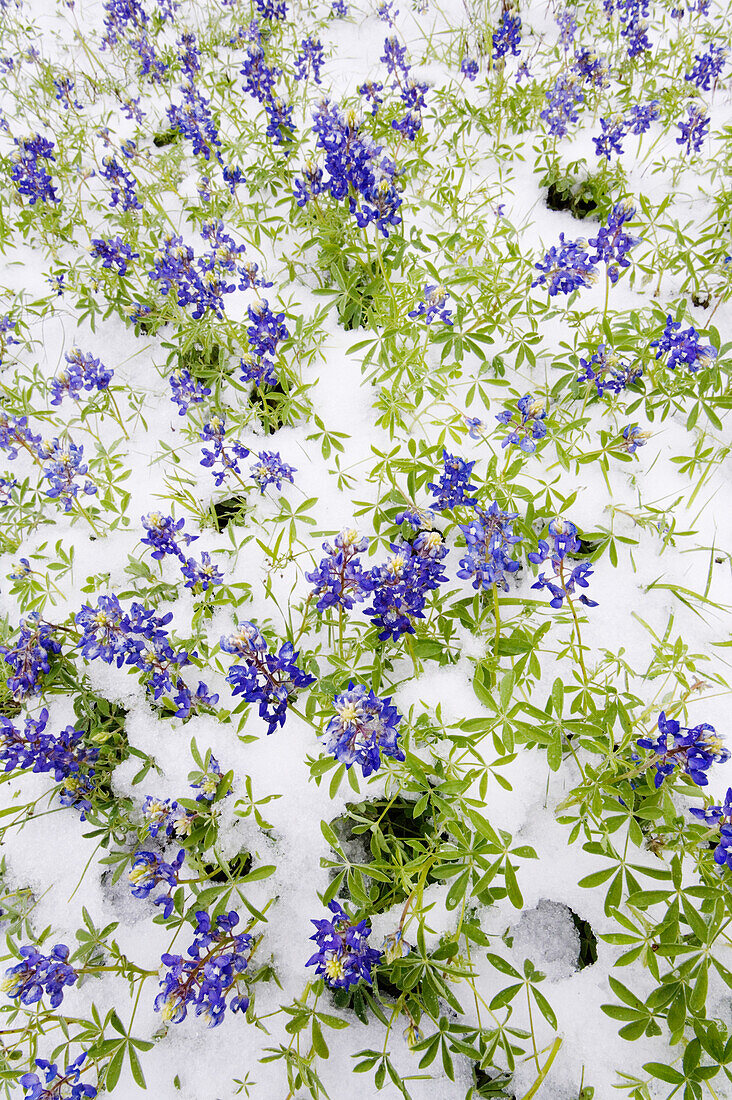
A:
<point x="83" y="372"/>
<point x="363" y="728"/>
<point x="65" y="755"/>
<point x="124" y="185"/>
<point x="218" y="959"/>
<point x="37" y="974"/>
<point x="634" y="437"/>
<point x="200" y="281"/>
<point x="693" y="129"/>
<point x="708" y="66"/>
<point x="113" y="252"/>
<point x="162" y="537"/>
<point x="266" y="329"/>
<point x="530" y="425"/>
<point x="609" y="372"/>
<point x="30" y="173"/>
<point x="565" y="267"/>
<point x="411" y="92"/>
<point x="433" y="305"/>
<point x="507" y="38"/>
<point x="259" y="81"/>
<point x="193" y="120"/>
<point x="612" y="243"/>
<point x="451" y="489"/>
<point x="29" y="657"/>
<point x="356" y="170"/>
<point x="227" y="454"/>
<point x="564" y="540"/>
<point x="489" y="541"/>
<point x="401" y="584"/>
<point x="55" y="1082"/>
<point x="150" y="871"/>
<point x="694" y="750"/>
<point x="162" y="814"/>
<point x="269" y="679"/>
<point x="683" y="347"/>
<point x="309" y="60"/>
<point x="62" y="464"/>
<point x="340" y="580"/>
<point x="720" y="816"/>
<point x="186" y="390"/>
<point x="271" y="470"/>
<point x="14" y="433"/>
<point x="469" y="68"/>
<point x="343" y="956"/>
<point x="633" y="16"/>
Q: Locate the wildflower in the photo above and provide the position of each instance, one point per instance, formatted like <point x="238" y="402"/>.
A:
<point x="720" y="816"/>
<point x="566" y="268"/>
<point x="530" y="427"/>
<point x="370" y="90"/>
<point x="613" y="131"/>
<point x="162" y="534"/>
<point x="62" y="464"/>
<point x="186" y="390"/>
<point x="475" y="426"/>
<point x="7" y="484"/>
<point x="401" y="584"/>
<point x="339" y="9"/>
<point x="201" y="575"/>
<point x="450" y="491"/>
<point x="641" y="116"/>
<point x="343" y="956"/>
<point x="271" y="470"/>
<point x="567" y="24"/>
<point x="55" y="1081"/>
<point x="694" y="750"/>
<point x="363" y="728"/>
<point x="310" y="59"/>
<point x="489" y="540"/>
<point x="29" y="172"/>
<point x="612" y="244"/>
<point x="340" y="580"/>
<point x="507" y="38"/>
<point x="633" y="438"/>
<point x="30" y="656"/>
<point x="65" y="755"/>
<point x="269" y="679"/>
<point x="266" y="330"/>
<point x="708" y="66"/>
<point x="149" y="871"/>
<point x="14" y="433"/>
<point x="218" y="959"/>
<point x="433" y="305"/>
<point x="563" y="98"/>
<point x="193" y="120"/>
<point x="469" y="68"/>
<point x="228" y="454"/>
<point x="693" y="129"/>
<point x="82" y="372"/>
<point x="198" y="281"/>
<point x="609" y="371"/>
<point x="210" y="782"/>
<point x="683" y="347"/>
<point x="113" y="252"/>
<point x="258" y="370"/>
<point x="123" y="190"/>
<point x="564" y="541"/>
<point x="37" y="974"/>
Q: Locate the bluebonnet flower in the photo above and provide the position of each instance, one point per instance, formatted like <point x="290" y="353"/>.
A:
<point x="613" y="132"/>
<point x="218" y="959"/>
<point x="433" y="305"/>
<point x="567" y="24"/>
<point x="193" y="120"/>
<point x="122" y="18"/>
<point x="210" y="782"/>
<point x="475" y="426"/>
<point x="131" y="109"/>
<point x="591" y="67"/>
<point x="355" y="170"/>
<point x="188" y="702"/>
<point x="363" y="728"/>
<point x="507" y="38"/>
<point x="708" y="66"/>
<point x="411" y="92"/>
<point x="228" y="454"/>
<point x="564" y="541"/>
<point x="162" y="814"/>
<point x="272" y="9"/>
<point x="271" y="470"/>
<point x="371" y="90"/>
<point x="523" y="72"/>
<point x="198" y="281"/>
<point x="269" y="679"/>
<point x="113" y="252"/>
<point x="489" y="540"/>
<point x="612" y="243"/>
<point x="634" y="438"/>
<point x="719" y="816"/>
<point x="684" y="347"/>
<point x="693" y="129"/>
<point x="418" y="518"/>
<point x="83" y="372"/>
<point x="14" y="433"/>
<point x="267" y="329"/>
<point x="401" y="584"/>
<point x="30" y="172"/>
<point x="343" y="956"/>
<point x="339" y="9"/>
<point x="450" y="491"/>
<point x="609" y="371"/>
<point x="694" y="750"/>
<point x="563" y="98"/>
<point x="7" y="326"/>
<point x="641" y="116"/>
<point x="62" y="464"/>
<point x="124" y="184"/>
<point x="186" y="390"/>
<point x="234" y="175"/>
<point x="310" y="59"/>
<point x="280" y="125"/>
<point x="105" y="630"/>
<point x="530" y="425"/>
<point x="150" y="871"/>
<point x="634" y="18"/>
<point x="37" y="974"/>
<point x="21" y="570"/>
<point x="7" y="484"/>
<point x="258" y="370"/>
<point x="65" y="755"/>
<point x="259" y="77"/>
<point x="29" y="656"/>
<point x="162" y="535"/>
<point x="201" y="575"/>
<point x="469" y="68"/>
<point x="54" y="1082"/>
<point x="566" y="268"/>
<point x="385" y="11"/>
<point x="340" y="580"/>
